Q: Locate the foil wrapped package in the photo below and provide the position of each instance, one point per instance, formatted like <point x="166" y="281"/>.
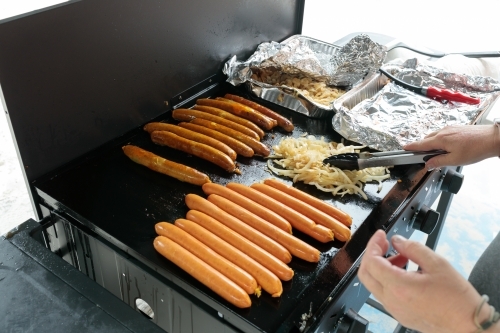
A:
<point x="384" y="116"/>
<point x="304" y="74"/>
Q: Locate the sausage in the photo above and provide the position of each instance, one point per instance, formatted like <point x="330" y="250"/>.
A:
<point x="191" y="135"/>
<point x="209" y="256"/>
<point x="340" y="231"/>
<point x="281" y="209"/>
<point x="239" y="147"/>
<point x="240" y="110"/>
<point x="194" y="148"/>
<point x="257" y="146"/>
<point x="245" y="108"/>
<point x="282" y="121"/>
<point x="297" y="220"/>
<point x="202" y="272"/>
<point x="276" y="266"/>
<point x="250" y="205"/>
<point x="195" y="202"/>
<point x="265" y="278"/>
<point x="296" y="247"/>
<point x="161" y="165"/>
<point x="321" y="233"/>
<point x="309" y="199"/>
<point x="232" y="117"/>
<point x="188" y="115"/>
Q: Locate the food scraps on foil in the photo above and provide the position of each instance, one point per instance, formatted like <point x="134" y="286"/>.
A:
<point x="302" y="160"/>
<point x="304" y="74"/>
<point x="384" y="116"/>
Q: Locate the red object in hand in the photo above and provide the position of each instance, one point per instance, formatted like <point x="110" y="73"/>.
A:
<point x="449" y="95"/>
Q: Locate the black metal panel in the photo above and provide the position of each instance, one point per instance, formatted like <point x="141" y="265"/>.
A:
<point x="122" y="201"/>
<point x="77" y="76"/>
<point x="42" y="293"/>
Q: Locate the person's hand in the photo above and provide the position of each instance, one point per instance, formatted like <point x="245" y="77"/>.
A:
<point x="465" y="144"/>
<point x="435" y="299"/>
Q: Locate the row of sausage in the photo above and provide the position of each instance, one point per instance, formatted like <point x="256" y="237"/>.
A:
<point x="239" y="239"/>
<point x="216" y="130"/>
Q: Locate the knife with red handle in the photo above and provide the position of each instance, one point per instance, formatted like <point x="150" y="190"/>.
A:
<point x="434" y="92"/>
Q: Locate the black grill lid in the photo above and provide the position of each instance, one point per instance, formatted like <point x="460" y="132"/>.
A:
<point x="79" y="75"/>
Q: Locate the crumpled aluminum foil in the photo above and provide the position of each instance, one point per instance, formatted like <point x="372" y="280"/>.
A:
<point x="385" y="116"/>
<point x="300" y="55"/>
<point x="358" y="57"/>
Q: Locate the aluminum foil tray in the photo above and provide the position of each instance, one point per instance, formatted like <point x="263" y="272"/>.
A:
<point x="372" y="84"/>
<point x="290" y="98"/>
<point x="348" y="125"/>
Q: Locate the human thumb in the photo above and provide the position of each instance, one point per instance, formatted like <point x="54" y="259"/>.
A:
<point x="438" y="161"/>
<point x="420" y="254"/>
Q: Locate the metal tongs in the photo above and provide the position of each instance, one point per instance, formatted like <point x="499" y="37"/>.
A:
<point x="358" y="161"/>
<point x="434" y="92"/>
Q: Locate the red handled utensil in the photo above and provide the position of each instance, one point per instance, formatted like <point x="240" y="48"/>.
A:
<point x="434" y="92"/>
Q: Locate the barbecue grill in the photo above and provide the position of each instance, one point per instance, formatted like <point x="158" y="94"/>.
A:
<point x="79" y="82"/>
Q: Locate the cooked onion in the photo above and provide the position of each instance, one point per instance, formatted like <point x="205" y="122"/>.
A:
<point x="302" y="159"/>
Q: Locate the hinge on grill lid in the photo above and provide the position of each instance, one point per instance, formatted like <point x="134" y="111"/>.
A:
<point x="185" y="98"/>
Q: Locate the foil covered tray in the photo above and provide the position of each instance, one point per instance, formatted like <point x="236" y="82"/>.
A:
<point x="384" y="116"/>
<point x="332" y="69"/>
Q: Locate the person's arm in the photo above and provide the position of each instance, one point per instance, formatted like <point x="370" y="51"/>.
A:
<point x="465" y="144"/>
<point x="435" y="299"/>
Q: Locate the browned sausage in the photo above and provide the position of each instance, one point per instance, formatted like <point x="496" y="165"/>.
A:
<point x="161" y="165"/>
<point x="239" y="147"/>
<point x="280" y="269"/>
<point x="209" y="256"/>
<point x="313" y="201"/>
<point x="282" y="121"/>
<point x="296" y="219"/>
<point x="195" y="202"/>
<point x="266" y="279"/>
<point x="340" y="231"/>
<point x="296" y="247"/>
<point x="188" y="115"/>
<point x="257" y="146"/>
<point x="240" y="110"/>
<point x="191" y="135"/>
<point x="194" y="148"/>
<point x="202" y="272"/>
<point x="259" y="210"/>
<point x="245" y="107"/>
<point x="232" y="117"/>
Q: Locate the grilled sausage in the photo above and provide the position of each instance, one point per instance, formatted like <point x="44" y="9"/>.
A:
<point x="188" y="115"/>
<point x="195" y="202"/>
<point x="161" y="165"/>
<point x="240" y="110"/>
<point x="277" y="267"/>
<point x="296" y="247"/>
<point x="191" y="135"/>
<point x="257" y="146"/>
<point x="340" y="231"/>
<point x="296" y="219"/>
<point x="309" y="199"/>
<point x="194" y="148"/>
<point x="265" y="278"/>
<point x="232" y="117"/>
<point x="239" y="147"/>
<point x="209" y="256"/>
<point x="250" y="205"/>
<point x="202" y="272"/>
<point x="282" y="121"/>
<point x="245" y="107"/>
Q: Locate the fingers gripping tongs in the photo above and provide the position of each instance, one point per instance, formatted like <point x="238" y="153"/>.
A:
<point x="358" y="161"/>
